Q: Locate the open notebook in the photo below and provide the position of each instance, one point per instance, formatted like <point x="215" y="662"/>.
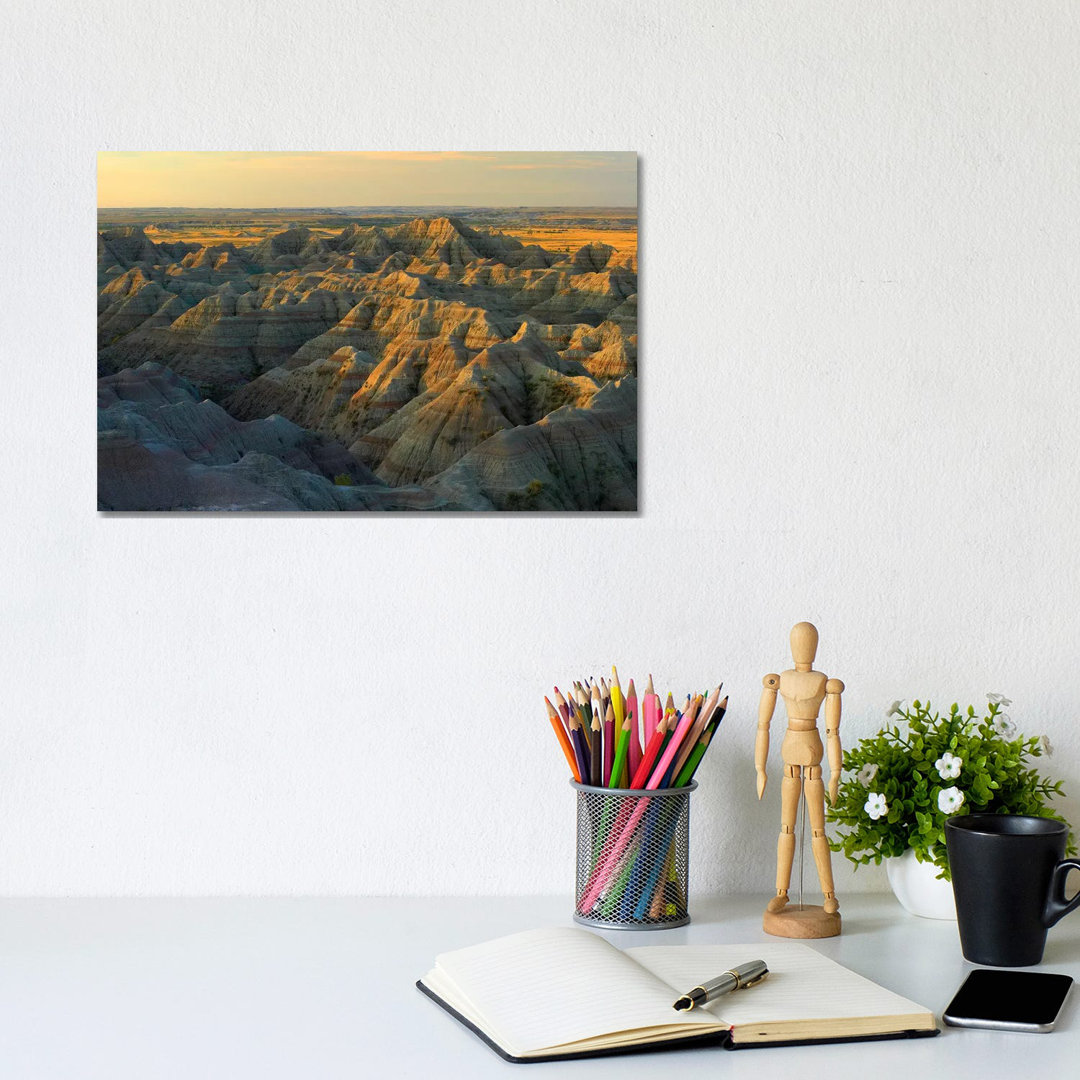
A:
<point x="562" y="992"/>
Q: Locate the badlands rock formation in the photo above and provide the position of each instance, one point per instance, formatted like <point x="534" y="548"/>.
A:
<point x="426" y="365"/>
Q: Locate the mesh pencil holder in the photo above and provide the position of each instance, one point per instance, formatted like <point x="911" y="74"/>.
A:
<point x="633" y="857"/>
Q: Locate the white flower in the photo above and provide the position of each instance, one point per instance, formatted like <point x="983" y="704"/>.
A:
<point x="1047" y="748"/>
<point x="948" y="766"/>
<point x="950" y="800"/>
<point x="998" y="699"/>
<point x="895" y="709"/>
<point x="1003" y="725"/>
<point x="876" y="806"/>
<point x="866" y="774"/>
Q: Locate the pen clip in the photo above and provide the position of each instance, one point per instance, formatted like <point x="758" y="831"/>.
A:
<point x="754" y="981"/>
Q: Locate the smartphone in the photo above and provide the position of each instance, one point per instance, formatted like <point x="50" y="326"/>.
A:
<point x="1013" y="1000"/>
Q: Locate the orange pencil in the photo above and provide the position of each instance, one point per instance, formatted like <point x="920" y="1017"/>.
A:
<point x="564" y="740"/>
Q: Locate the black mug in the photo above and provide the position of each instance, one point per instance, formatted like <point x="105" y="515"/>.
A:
<point x="1008" y="877"/>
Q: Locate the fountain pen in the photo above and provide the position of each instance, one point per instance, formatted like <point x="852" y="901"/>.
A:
<point x="738" y="978"/>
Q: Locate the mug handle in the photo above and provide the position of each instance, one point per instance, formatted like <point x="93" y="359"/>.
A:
<point x="1056" y="904"/>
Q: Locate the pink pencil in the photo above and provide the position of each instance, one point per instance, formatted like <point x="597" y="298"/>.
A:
<point x="603" y="874"/>
<point x="635" y="729"/>
<point x="670" y="750"/>
<point x="650" y="710"/>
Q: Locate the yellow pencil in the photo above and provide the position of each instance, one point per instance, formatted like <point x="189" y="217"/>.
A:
<point x="617" y="703"/>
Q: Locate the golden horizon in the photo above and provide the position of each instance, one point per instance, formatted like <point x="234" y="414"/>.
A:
<point x="219" y="179"/>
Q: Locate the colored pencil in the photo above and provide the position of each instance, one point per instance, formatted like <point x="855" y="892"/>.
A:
<point x="704" y="714"/>
<point x="581" y="749"/>
<point x="617" y="703"/>
<point x="622" y="749"/>
<point x="583" y="726"/>
<point x="585" y="713"/>
<point x="634" y="758"/>
<point x="615" y="741"/>
<point x="564" y="709"/>
<point x="596" y="757"/>
<point x="659" y="867"/>
<point x="564" y="740"/>
<point x="624" y="837"/>
<point x="698" y="753"/>
<point x="686" y="773"/>
<point x="609" y="743"/>
<point x="672" y="748"/>
<point x="648" y="758"/>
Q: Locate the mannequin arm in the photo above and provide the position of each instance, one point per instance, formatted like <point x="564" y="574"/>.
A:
<point x="761" y="744"/>
<point x="833" y="689"/>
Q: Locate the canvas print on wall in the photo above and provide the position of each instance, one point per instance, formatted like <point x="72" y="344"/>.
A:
<point x="367" y="331"/>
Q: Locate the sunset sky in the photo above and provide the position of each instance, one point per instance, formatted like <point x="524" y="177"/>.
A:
<point x="360" y="178"/>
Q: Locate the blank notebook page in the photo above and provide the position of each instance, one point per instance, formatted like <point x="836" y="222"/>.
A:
<point x="802" y="984"/>
<point x="544" y="988"/>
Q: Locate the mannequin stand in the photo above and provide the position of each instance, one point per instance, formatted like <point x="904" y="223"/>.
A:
<point x="802" y="921"/>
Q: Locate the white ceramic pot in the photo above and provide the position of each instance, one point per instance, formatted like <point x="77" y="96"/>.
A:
<point x="917" y="886"/>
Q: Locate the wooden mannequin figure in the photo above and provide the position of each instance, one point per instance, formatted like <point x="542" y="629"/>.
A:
<point x="803" y="691"/>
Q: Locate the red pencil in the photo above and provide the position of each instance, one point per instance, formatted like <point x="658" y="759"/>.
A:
<point x="648" y="758"/>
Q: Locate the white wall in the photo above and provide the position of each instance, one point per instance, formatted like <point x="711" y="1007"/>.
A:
<point x="860" y="326"/>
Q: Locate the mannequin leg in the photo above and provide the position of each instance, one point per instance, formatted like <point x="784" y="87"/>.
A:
<point x="790" y="790"/>
<point x="815" y="805"/>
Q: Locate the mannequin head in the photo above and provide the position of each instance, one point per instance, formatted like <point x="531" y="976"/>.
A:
<point x="804" y="640"/>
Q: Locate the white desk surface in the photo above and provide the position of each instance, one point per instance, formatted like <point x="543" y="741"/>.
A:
<point x="313" y="989"/>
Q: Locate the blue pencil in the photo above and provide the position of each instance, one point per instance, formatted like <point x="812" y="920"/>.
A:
<point x="668" y="834"/>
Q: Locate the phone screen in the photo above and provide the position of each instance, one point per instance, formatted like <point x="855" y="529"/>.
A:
<point x="1017" y="1000"/>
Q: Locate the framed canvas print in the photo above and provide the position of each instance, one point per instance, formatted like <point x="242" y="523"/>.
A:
<point x="367" y="331"/>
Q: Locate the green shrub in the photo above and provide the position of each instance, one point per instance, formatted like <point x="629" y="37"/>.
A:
<point x="901" y="785"/>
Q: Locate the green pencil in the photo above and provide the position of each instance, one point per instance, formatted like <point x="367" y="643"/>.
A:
<point x="622" y="749"/>
<point x="694" y="760"/>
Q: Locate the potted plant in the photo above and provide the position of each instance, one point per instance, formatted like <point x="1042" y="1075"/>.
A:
<point x="898" y="788"/>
